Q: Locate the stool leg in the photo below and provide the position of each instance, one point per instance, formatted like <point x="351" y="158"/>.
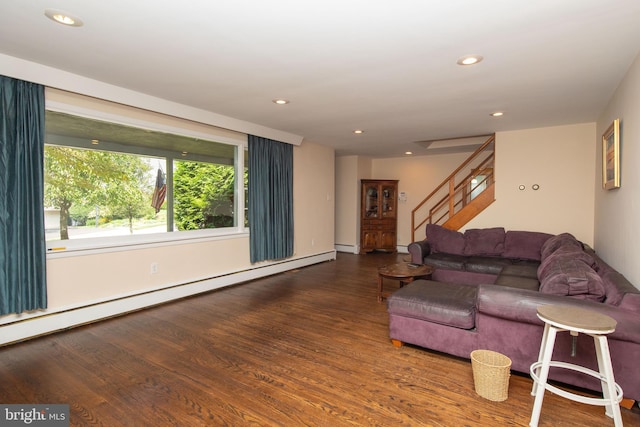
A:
<point x="379" y="288"/>
<point x="608" y="384"/>
<point x="543" y="343"/>
<point x="543" y="373"/>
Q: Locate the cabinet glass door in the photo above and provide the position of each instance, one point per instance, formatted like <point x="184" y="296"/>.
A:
<point x="371" y="201"/>
<point x="388" y="201"/>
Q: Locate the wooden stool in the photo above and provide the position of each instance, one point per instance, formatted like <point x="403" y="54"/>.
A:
<point x="576" y="320"/>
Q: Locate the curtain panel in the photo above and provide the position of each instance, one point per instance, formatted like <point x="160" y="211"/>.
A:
<point x="22" y="237"/>
<point x="270" y="199"/>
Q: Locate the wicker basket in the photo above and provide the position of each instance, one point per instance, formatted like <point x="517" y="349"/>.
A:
<point x="491" y="373"/>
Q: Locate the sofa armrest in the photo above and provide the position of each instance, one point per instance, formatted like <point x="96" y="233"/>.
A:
<point x="521" y="305"/>
<point x="418" y="251"/>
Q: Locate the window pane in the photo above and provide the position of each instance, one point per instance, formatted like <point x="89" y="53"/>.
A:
<point x="92" y="193"/>
<point x="203" y="195"/>
<point x="107" y="179"/>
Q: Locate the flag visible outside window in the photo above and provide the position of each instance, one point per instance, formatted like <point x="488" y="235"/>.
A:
<point x="159" y="192"/>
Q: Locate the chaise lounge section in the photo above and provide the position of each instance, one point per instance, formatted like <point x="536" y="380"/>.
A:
<point x="485" y="295"/>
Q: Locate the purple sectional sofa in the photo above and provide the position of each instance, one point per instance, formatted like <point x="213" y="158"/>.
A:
<point x="484" y="294"/>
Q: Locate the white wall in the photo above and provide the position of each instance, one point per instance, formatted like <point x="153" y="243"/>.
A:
<point x="617" y="212"/>
<point x="314" y="198"/>
<point x="347" y="202"/>
<point x="349" y="171"/>
<point x="560" y="160"/>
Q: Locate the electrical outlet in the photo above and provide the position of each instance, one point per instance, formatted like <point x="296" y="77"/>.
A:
<point x="154" y="267"/>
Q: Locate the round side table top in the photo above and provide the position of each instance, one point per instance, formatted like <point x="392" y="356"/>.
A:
<point x="404" y="270"/>
<point x="577" y="318"/>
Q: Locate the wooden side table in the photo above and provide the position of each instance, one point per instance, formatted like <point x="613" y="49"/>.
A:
<point x="403" y="272"/>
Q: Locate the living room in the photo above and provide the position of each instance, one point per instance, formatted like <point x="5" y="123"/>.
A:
<point x="564" y="159"/>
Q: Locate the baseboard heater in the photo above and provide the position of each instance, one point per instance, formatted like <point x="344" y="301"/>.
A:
<point x="46" y="322"/>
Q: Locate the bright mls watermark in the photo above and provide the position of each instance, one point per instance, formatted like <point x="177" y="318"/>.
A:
<point x="41" y="415"/>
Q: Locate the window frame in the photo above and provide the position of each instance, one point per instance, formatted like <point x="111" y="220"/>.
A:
<point x="70" y="247"/>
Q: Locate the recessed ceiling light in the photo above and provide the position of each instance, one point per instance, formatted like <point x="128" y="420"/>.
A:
<point x="497" y="114"/>
<point x="358" y="131"/>
<point x="63" y="18"/>
<point x="408" y="153"/>
<point x="469" y="59"/>
<point x="280" y="101"/>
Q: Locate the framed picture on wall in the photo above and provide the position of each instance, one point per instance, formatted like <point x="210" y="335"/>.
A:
<point x="611" y="156"/>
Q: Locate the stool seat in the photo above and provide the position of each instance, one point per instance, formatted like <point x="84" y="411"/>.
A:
<point x="576" y="321"/>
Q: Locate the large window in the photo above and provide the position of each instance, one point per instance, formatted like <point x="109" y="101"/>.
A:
<point x="106" y="180"/>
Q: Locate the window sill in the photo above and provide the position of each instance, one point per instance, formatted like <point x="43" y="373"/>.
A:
<point x="80" y="247"/>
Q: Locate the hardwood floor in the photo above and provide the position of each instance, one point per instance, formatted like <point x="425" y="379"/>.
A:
<point x="306" y="347"/>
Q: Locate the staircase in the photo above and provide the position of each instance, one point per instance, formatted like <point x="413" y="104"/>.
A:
<point x="461" y="196"/>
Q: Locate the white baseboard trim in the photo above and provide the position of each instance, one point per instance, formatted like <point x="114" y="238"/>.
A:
<point x="48" y="322"/>
<point x="351" y="249"/>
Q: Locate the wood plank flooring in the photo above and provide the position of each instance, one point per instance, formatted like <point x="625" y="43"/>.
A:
<point x="304" y="348"/>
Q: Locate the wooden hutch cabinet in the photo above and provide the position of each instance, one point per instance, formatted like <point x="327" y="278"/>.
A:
<point x="378" y="215"/>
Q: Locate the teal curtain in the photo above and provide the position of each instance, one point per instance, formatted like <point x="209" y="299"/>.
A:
<point x="270" y="199"/>
<point x="22" y="239"/>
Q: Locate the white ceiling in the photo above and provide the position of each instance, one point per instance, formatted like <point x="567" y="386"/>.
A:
<point x="385" y="66"/>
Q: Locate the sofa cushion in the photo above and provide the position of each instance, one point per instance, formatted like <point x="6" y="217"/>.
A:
<point x="555" y="242"/>
<point x="484" y="241"/>
<point x="446" y="261"/>
<point x="486" y="264"/>
<point x="523" y="275"/>
<point x="631" y="302"/>
<point x="521" y="270"/>
<point x="518" y="282"/>
<point x="444" y="240"/>
<point x="524" y="244"/>
<point x="566" y="252"/>
<point x="616" y="286"/>
<point x="463" y="277"/>
<point x="613" y="294"/>
<point x="444" y="303"/>
<point x="573" y="278"/>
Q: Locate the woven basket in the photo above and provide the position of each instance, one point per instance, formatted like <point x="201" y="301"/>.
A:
<point x="491" y="373"/>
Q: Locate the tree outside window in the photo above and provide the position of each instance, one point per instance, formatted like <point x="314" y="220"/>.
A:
<point x="105" y="188"/>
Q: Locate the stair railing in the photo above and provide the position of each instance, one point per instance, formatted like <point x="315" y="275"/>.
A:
<point x="456" y="190"/>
